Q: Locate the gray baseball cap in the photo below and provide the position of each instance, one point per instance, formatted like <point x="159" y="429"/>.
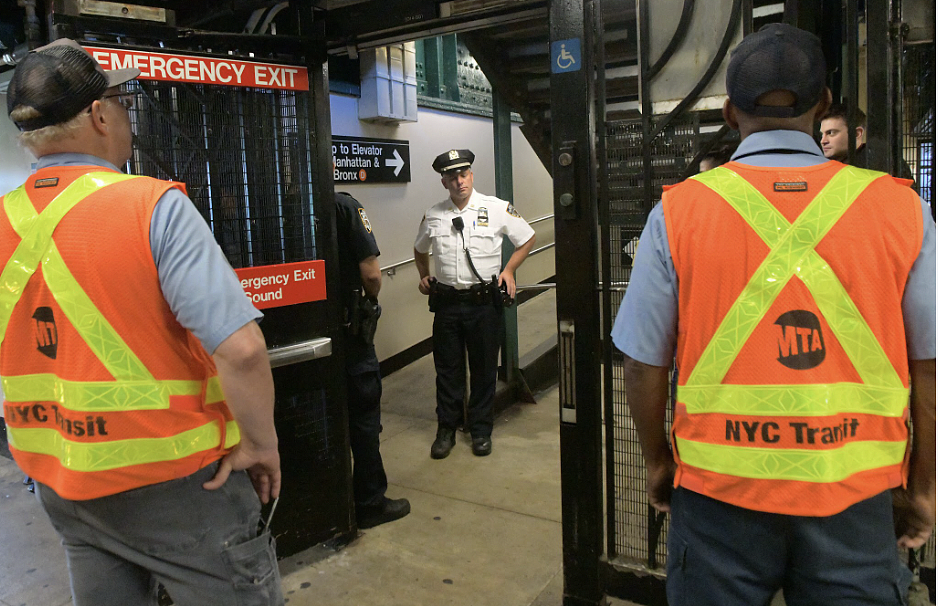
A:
<point x="59" y="80"/>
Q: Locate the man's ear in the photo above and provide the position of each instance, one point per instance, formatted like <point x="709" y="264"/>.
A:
<point x="729" y="115"/>
<point x="98" y="119"/>
<point x="860" y="132"/>
<point x="443" y="182"/>
<point x="823" y="105"/>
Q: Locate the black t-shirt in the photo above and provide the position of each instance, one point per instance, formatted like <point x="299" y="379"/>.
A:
<point x="356" y="243"/>
<point x="861" y="159"/>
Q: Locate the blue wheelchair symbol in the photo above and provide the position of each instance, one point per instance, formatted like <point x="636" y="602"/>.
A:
<point x="565" y="56"/>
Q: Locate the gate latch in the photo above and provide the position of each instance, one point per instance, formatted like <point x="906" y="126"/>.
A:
<point x="567" y="372"/>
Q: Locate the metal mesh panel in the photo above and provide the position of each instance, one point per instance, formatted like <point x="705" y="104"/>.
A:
<point x="640" y="535"/>
<point x="918" y="117"/>
<point x="244" y="155"/>
<point x="314" y="499"/>
<point x="918" y="150"/>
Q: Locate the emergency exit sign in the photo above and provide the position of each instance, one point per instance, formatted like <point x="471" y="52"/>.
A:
<point x="359" y="160"/>
<point x="284" y="284"/>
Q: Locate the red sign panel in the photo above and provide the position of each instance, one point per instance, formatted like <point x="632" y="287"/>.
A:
<point x="203" y="70"/>
<point x="285" y="284"/>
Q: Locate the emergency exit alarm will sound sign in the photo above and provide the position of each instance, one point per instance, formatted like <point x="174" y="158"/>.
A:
<point x="285" y="284"/>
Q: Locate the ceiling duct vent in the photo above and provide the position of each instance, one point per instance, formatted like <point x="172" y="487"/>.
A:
<point x="467" y="7"/>
<point x="115" y="10"/>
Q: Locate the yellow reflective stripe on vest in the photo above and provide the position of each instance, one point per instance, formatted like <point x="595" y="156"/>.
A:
<point x="854" y="334"/>
<point x="232" y="434"/>
<point x="35" y="232"/>
<point x="105" y="396"/>
<point x="823" y="466"/>
<point x="94" y="329"/>
<point x="792" y="253"/>
<point x="37" y="246"/>
<point x="795" y="400"/>
<point x="101" y="456"/>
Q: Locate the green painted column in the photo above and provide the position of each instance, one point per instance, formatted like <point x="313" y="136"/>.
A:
<point x="504" y="189"/>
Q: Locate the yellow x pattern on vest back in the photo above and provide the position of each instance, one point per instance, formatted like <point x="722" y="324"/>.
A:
<point x="792" y="254"/>
<point x="134" y="387"/>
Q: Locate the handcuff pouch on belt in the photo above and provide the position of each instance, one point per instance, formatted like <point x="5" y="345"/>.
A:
<point x="363" y="314"/>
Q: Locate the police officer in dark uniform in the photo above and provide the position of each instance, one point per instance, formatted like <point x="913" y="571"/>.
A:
<point x="360" y="278"/>
<point x="467" y="293"/>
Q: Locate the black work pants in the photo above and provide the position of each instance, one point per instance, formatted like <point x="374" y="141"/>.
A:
<point x="363" y="381"/>
<point x="460" y="329"/>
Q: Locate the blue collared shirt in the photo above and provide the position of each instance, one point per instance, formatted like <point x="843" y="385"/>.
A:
<point x="646" y="325"/>
<point x="198" y="283"/>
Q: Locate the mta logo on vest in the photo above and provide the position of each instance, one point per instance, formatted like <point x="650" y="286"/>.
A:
<point x="800" y="343"/>
<point x="47" y="337"/>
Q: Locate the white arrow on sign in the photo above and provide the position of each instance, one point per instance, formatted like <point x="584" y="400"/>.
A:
<point x="397" y="162"/>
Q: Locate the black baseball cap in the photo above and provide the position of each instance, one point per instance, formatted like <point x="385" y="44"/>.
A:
<point x="59" y="80"/>
<point x="453" y="159"/>
<point x="777" y="57"/>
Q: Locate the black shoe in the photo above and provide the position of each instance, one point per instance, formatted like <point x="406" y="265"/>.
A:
<point x="443" y="444"/>
<point x="387" y="511"/>
<point x="482" y="447"/>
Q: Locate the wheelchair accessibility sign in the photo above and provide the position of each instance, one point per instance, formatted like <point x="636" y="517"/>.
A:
<point x="565" y="56"/>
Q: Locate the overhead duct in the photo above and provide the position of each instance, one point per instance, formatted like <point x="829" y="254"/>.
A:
<point x="389" y="84"/>
<point x="114" y="10"/>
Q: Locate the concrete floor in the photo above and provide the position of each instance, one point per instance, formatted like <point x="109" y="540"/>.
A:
<point x="482" y="531"/>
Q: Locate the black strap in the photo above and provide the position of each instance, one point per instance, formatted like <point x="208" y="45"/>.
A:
<point x="471" y="264"/>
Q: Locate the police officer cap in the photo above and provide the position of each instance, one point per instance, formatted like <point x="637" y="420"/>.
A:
<point x="453" y="159"/>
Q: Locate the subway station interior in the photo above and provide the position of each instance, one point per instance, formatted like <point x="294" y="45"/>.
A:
<point x="579" y="112"/>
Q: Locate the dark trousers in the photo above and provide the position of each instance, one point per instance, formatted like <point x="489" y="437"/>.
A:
<point x="721" y="554"/>
<point x="369" y="480"/>
<point x="460" y="329"/>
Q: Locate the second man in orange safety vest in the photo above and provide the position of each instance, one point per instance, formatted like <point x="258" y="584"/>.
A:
<point x="799" y="294"/>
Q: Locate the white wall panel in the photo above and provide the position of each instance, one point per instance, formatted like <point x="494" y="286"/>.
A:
<point x="395" y="210"/>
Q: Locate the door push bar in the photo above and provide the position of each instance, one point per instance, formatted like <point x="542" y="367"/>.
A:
<point x="300" y="352"/>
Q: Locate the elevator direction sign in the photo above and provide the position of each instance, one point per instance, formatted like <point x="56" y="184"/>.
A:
<point x="359" y="160"/>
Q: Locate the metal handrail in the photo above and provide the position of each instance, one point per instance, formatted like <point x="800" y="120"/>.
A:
<point x="542" y="286"/>
<point x="392" y="268"/>
<point x="614" y="287"/>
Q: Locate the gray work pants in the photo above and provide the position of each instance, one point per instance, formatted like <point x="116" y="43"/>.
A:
<point x="201" y="545"/>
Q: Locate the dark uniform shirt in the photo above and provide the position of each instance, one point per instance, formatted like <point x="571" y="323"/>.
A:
<point x="356" y="243"/>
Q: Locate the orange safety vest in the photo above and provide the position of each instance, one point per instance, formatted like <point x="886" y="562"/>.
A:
<point x="793" y="374"/>
<point x="104" y="390"/>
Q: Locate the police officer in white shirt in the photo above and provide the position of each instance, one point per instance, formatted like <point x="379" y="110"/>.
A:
<point x="467" y="294"/>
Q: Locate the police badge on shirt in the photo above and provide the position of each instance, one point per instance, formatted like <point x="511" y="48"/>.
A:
<point x="364" y="218"/>
<point x="482" y="217"/>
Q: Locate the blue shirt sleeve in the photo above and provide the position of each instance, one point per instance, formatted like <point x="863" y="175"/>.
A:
<point x="198" y="283"/>
<point x="918" y="300"/>
<point x="646" y="325"/>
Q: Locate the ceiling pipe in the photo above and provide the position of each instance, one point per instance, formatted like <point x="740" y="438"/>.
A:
<point x="219" y="10"/>
<point x="270" y="16"/>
